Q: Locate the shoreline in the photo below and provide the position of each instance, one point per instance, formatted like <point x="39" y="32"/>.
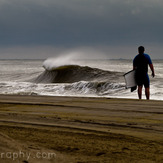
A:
<point x="82" y="129"/>
<point x="73" y="96"/>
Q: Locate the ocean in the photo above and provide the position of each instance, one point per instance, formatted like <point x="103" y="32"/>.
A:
<point x="84" y="78"/>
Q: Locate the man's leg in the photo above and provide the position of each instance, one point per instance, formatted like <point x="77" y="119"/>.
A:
<point x="147" y="93"/>
<point x="140" y="91"/>
<point x="146" y="85"/>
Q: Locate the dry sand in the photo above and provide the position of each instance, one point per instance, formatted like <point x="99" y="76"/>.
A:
<point x="43" y="129"/>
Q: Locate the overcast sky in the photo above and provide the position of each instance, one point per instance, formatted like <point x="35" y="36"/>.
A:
<point x="94" y="28"/>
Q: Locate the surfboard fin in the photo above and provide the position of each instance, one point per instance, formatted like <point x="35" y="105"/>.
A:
<point x="133" y="88"/>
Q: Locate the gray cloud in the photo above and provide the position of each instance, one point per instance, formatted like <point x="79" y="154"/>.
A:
<point x="81" y="23"/>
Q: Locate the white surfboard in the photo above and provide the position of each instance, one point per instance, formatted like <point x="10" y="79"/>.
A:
<point x="130" y="79"/>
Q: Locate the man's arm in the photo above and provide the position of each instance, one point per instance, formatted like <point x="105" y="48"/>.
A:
<point x="134" y="68"/>
<point x="152" y="69"/>
<point x="134" y="65"/>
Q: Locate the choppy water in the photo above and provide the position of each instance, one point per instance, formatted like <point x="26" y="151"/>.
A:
<point x="101" y="78"/>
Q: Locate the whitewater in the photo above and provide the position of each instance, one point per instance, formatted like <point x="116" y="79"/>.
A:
<point x="68" y="77"/>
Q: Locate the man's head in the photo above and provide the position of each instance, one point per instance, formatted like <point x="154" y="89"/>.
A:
<point x="141" y="49"/>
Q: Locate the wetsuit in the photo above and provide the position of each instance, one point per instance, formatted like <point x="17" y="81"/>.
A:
<point x="141" y="62"/>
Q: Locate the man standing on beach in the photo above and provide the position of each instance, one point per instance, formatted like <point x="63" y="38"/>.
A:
<point x="140" y="64"/>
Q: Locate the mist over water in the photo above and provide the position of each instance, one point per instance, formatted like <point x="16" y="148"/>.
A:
<point x="52" y="63"/>
<point x="74" y="57"/>
<point x="71" y="76"/>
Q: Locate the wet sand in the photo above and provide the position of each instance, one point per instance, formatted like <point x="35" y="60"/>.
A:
<point x="44" y="129"/>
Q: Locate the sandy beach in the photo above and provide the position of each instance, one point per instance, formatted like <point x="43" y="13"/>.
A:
<point x="45" y="129"/>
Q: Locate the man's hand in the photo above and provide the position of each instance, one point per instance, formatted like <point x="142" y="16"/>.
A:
<point x="152" y="69"/>
<point x="153" y="74"/>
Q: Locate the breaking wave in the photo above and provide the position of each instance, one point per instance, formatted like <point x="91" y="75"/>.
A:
<point x="76" y="73"/>
<point x="78" y="80"/>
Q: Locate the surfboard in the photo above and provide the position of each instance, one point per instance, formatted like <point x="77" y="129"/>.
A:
<point x="130" y="79"/>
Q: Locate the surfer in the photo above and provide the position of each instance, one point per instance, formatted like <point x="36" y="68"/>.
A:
<point x="140" y="64"/>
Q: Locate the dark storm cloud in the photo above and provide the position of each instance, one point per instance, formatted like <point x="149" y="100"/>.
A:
<point x="76" y="23"/>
